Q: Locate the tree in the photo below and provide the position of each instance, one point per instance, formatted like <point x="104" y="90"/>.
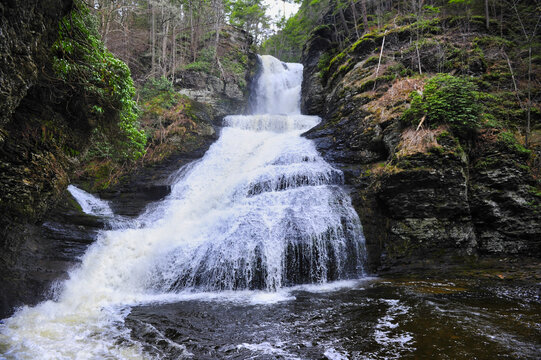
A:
<point x="529" y="26"/>
<point x="249" y="15"/>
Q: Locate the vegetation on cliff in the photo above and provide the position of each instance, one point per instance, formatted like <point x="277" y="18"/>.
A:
<point x="171" y="48"/>
<point x="446" y="99"/>
<point x="81" y="60"/>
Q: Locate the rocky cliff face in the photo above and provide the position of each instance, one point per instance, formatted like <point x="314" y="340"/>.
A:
<point x="27" y="31"/>
<point x="38" y="123"/>
<point x="225" y="89"/>
<point x="424" y="196"/>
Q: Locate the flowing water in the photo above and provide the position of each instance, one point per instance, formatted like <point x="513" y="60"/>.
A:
<point x="257" y="253"/>
<point x="89" y="203"/>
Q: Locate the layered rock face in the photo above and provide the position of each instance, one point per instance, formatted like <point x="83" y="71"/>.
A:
<point x="424" y="196"/>
<point x="27" y="30"/>
<point x="224" y="90"/>
<point x="41" y="126"/>
<point x="28" y="162"/>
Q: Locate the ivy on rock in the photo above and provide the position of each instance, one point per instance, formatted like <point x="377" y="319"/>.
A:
<point x="81" y="60"/>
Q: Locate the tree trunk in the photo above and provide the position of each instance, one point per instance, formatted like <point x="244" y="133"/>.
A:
<point x="192" y="33"/>
<point x="217" y="24"/>
<point x="529" y="108"/>
<point x="165" y="28"/>
<point x="153" y="39"/>
<point x="173" y="51"/>
<point x="343" y="19"/>
<point x="487" y="16"/>
<point x="354" y="12"/>
<point x="365" y="16"/>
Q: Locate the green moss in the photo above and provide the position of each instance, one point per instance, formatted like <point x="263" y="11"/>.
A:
<point x="443" y="135"/>
<point x="201" y="65"/>
<point x="368" y="85"/>
<point x="535" y="191"/>
<point x="364" y="44"/>
<point x="490" y="41"/>
<point x="324" y="60"/>
<point x="81" y="60"/>
<point x="320" y="28"/>
<point x="439" y="150"/>
<point x="345" y="67"/>
<point x="478" y="19"/>
<point x="337" y="59"/>
<point x="487" y="163"/>
<point x="428" y="26"/>
<point x="398" y="69"/>
<point x="502" y="107"/>
<point x="373" y="60"/>
<point x="510" y="142"/>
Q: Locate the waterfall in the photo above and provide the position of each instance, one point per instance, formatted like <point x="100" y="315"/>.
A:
<point x="261" y="210"/>
<point x="89" y="203"/>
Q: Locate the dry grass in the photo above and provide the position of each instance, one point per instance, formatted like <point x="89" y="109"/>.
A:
<point x="399" y="92"/>
<point x="393" y="102"/>
<point x="418" y="141"/>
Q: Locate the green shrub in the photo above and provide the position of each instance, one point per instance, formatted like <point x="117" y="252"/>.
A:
<point x="446" y="100"/>
<point x="324" y="60"/>
<point x="200" y="65"/>
<point x="204" y="62"/>
<point x="101" y="80"/>
<point x="155" y="87"/>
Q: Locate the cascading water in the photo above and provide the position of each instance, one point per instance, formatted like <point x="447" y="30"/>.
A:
<point x="262" y="210"/>
<point x="89" y="203"/>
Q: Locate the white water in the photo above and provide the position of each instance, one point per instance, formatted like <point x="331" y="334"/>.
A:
<point x="89" y="203"/>
<point x="261" y="211"/>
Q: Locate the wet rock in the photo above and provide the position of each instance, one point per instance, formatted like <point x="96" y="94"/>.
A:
<point x="505" y="207"/>
<point x="35" y="257"/>
<point x="26" y="33"/>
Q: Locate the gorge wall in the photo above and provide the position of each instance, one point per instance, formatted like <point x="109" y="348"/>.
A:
<point x="425" y="196"/>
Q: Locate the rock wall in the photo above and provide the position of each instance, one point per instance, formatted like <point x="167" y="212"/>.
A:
<point x="37" y="124"/>
<point x="224" y="90"/>
<point x="27" y="30"/>
<point x="424" y="197"/>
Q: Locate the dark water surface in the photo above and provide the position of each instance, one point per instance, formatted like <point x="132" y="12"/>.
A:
<point x="376" y="318"/>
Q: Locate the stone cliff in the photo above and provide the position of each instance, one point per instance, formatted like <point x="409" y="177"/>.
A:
<point x="425" y="195"/>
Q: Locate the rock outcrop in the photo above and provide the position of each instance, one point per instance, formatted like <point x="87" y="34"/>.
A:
<point x="27" y="31"/>
<point x="225" y="89"/>
<point x="424" y="195"/>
